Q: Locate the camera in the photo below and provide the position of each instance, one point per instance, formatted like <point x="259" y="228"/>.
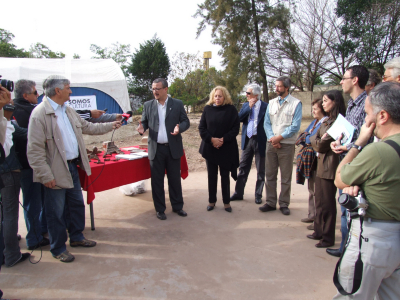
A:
<point x="8" y="84"/>
<point x="354" y="204"/>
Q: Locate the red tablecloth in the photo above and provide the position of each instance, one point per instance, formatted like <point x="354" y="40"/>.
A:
<point x="116" y="173"/>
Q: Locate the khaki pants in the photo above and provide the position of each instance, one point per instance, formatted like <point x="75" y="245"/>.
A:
<point x="281" y="159"/>
<point x="380" y="255"/>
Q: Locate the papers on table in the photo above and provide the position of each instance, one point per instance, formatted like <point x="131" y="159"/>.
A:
<point x="342" y="127"/>
<point x="132" y="156"/>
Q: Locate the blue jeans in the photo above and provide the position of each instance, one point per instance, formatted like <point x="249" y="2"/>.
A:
<point x="343" y="225"/>
<point x="32" y="193"/>
<point x="58" y="202"/>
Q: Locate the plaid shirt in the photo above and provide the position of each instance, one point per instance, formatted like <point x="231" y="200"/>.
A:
<point x="355" y="114"/>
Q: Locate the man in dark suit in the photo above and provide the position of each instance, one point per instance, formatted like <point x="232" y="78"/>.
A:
<point x="254" y="142"/>
<point x="166" y="119"/>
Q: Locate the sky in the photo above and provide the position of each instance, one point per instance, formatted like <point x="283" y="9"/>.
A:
<point x="72" y="26"/>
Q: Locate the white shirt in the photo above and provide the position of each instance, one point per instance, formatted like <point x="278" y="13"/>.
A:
<point x="162" y="131"/>
<point x="8" y="143"/>
<point x="67" y="133"/>
<point x="256" y="109"/>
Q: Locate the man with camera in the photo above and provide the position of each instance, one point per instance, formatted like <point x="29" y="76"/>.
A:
<point x="374" y="267"/>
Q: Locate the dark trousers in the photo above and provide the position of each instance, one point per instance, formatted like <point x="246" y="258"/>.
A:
<point x="161" y="162"/>
<point x="246" y="160"/>
<point x="212" y="171"/>
<point x="10" y="200"/>
<point x="325" y="208"/>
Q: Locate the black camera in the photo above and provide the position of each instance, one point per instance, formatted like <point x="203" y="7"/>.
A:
<point x="354" y="204"/>
<point x="8" y="84"/>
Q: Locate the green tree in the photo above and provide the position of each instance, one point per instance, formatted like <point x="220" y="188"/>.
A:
<point x="40" y="50"/>
<point x="76" y="56"/>
<point x="244" y="29"/>
<point x="374" y="30"/>
<point x="194" y="88"/>
<point x="149" y="62"/>
<point x="120" y="53"/>
<point x="7" y="48"/>
<point x="183" y="63"/>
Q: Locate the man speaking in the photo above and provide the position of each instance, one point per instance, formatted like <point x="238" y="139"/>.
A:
<point x="374" y="170"/>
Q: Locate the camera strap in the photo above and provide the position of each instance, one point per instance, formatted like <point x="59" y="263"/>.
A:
<point x="394" y="145"/>
<point x="358" y="267"/>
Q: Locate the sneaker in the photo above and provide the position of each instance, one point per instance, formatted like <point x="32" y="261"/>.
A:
<point x="42" y="243"/>
<point x="65" y="257"/>
<point x="83" y="243"/>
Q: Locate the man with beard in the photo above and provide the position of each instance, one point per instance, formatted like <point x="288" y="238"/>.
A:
<point x="281" y="124"/>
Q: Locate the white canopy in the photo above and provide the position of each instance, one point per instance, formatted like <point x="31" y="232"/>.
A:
<point x="102" y="74"/>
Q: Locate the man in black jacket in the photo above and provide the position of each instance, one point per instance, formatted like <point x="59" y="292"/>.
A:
<point x="26" y="99"/>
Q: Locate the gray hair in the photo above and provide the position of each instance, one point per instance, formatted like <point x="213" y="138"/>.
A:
<point x="52" y="82"/>
<point x="23" y="86"/>
<point x="394" y="64"/>
<point x="163" y="81"/>
<point x="374" y="77"/>
<point x="256" y="89"/>
<point x="386" y="96"/>
<point x="287" y="83"/>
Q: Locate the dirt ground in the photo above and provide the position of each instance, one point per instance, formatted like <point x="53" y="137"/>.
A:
<point x="128" y="136"/>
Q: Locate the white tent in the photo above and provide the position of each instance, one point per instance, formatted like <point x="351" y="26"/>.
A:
<point x="102" y="74"/>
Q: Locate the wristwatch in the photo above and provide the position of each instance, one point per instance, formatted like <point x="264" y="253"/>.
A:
<point x="356" y="147"/>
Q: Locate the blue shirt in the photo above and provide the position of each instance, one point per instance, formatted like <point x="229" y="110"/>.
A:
<point x="67" y="133"/>
<point x="290" y="130"/>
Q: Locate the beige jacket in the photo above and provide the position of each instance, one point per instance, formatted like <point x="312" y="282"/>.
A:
<point x="46" y="151"/>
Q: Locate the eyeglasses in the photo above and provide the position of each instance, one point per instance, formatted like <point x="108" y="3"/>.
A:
<point x="34" y="93"/>
<point x="157" y="89"/>
<point x="344" y="78"/>
<point x="385" y="77"/>
<point x="247" y="93"/>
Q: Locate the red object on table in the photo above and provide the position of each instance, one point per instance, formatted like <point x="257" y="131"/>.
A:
<point x="117" y="173"/>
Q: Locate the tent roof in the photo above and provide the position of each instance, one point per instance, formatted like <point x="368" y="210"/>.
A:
<point x="102" y="74"/>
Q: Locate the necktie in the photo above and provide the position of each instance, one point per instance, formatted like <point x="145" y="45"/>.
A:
<point x="251" y="123"/>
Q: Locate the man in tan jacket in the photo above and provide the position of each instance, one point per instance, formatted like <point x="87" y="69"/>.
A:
<point x="55" y="148"/>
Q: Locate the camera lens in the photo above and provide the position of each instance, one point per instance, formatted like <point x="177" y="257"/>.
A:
<point x="348" y="201"/>
<point x="8" y="84"/>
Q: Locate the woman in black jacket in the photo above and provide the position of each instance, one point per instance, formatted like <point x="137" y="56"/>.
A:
<point x="219" y="126"/>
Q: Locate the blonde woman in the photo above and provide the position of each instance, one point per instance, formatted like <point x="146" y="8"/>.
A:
<point x="219" y="126"/>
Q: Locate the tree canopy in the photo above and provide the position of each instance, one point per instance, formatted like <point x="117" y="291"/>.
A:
<point x="149" y="62"/>
<point x="7" y="48"/>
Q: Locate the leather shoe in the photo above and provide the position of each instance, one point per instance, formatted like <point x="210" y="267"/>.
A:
<point x="307" y="220"/>
<point x="228" y="209"/>
<point x="236" y="197"/>
<point x="161" y="216"/>
<point x="334" y="252"/>
<point x="285" y="210"/>
<point x="323" y="245"/>
<point x="210" y="208"/>
<point x="180" y="212"/>
<point x="24" y="256"/>
<point x="42" y="243"/>
<point x="310" y="227"/>
<point x="258" y="201"/>
<point x="313" y="237"/>
<point x="266" y="208"/>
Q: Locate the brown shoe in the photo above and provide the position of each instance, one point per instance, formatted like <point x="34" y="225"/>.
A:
<point x="310" y="227"/>
<point x="65" y="257"/>
<point x="307" y="220"/>
<point x="323" y="245"/>
<point x="83" y="243"/>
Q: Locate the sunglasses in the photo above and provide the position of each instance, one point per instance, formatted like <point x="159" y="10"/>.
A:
<point x="247" y="93"/>
<point x="35" y="93"/>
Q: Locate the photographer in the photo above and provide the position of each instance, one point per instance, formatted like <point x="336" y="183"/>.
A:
<point x="374" y="171"/>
